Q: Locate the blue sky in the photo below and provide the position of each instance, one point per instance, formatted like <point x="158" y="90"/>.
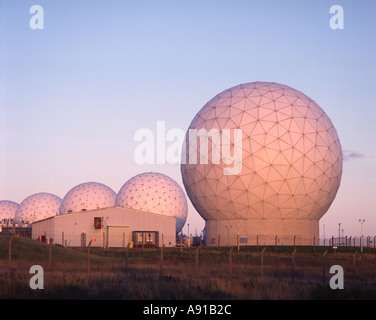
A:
<point x="73" y="94"/>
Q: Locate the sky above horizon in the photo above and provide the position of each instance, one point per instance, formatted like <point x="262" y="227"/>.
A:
<point x="72" y="95"/>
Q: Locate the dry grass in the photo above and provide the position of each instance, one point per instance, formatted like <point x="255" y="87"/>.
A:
<point x="68" y="277"/>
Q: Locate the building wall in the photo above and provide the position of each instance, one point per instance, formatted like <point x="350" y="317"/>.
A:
<point x="118" y="224"/>
<point x="43" y="228"/>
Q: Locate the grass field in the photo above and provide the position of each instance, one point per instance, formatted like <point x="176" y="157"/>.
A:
<point x="199" y="275"/>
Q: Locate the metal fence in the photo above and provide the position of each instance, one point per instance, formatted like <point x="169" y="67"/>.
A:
<point x="263" y="240"/>
<point x="350" y="241"/>
<point x="112" y="238"/>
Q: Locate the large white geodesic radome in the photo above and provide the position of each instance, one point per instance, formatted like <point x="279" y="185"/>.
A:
<point x="37" y="207"/>
<point x="87" y="196"/>
<point x="8" y="209"/>
<point x="291" y="158"/>
<point x="157" y="193"/>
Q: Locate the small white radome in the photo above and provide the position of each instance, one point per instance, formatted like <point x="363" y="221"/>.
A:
<point x="157" y="193"/>
<point x="88" y="196"/>
<point x="37" y="207"/>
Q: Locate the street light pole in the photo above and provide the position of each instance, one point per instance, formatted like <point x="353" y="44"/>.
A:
<point x="339" y="234"/>
<point x="361" y="231"/>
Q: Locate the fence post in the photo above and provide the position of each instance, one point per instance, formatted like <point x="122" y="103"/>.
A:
<point x="354" y="255"/>
<point x="10" y="254"/>
<point x="181" y="241"/>
<point x="293" y="265"/>
<point x="275" y="243"/>
<point x="197" y="260"/>
<point x="83" y="239"/>
<point x="262" y="264"/>
<point x="50" y="254"/>
<point x="88" y="258"/>
<point x="162" y="259"/>
<point x="230" y="261"/>
<point x="323" y="266"/>
<point x="126" y="258"/>
<point x="257" y="242"/>
<point x="314" y="244"/>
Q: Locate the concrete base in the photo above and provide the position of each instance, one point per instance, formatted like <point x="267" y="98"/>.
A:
<point x="261" y="232"/>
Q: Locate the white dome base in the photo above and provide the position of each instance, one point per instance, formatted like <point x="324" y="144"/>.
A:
<point x="261" y="232"/>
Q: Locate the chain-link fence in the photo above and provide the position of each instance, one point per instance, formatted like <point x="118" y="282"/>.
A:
<point x="234" y="240"/>
<point x="113" y="237"/>
<point x="267" y="240"/>
<point x="350" y="241"/>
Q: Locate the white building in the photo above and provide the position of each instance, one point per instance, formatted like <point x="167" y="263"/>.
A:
<point x="108" y="227"/>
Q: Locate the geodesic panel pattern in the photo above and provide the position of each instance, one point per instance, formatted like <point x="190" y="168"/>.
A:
<point x="37" y="207"/>
<point x="8" y="209"/>
<point x="157" y="193"/>
<point x="88" y="196"/>
<point x="290" y="156"/>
